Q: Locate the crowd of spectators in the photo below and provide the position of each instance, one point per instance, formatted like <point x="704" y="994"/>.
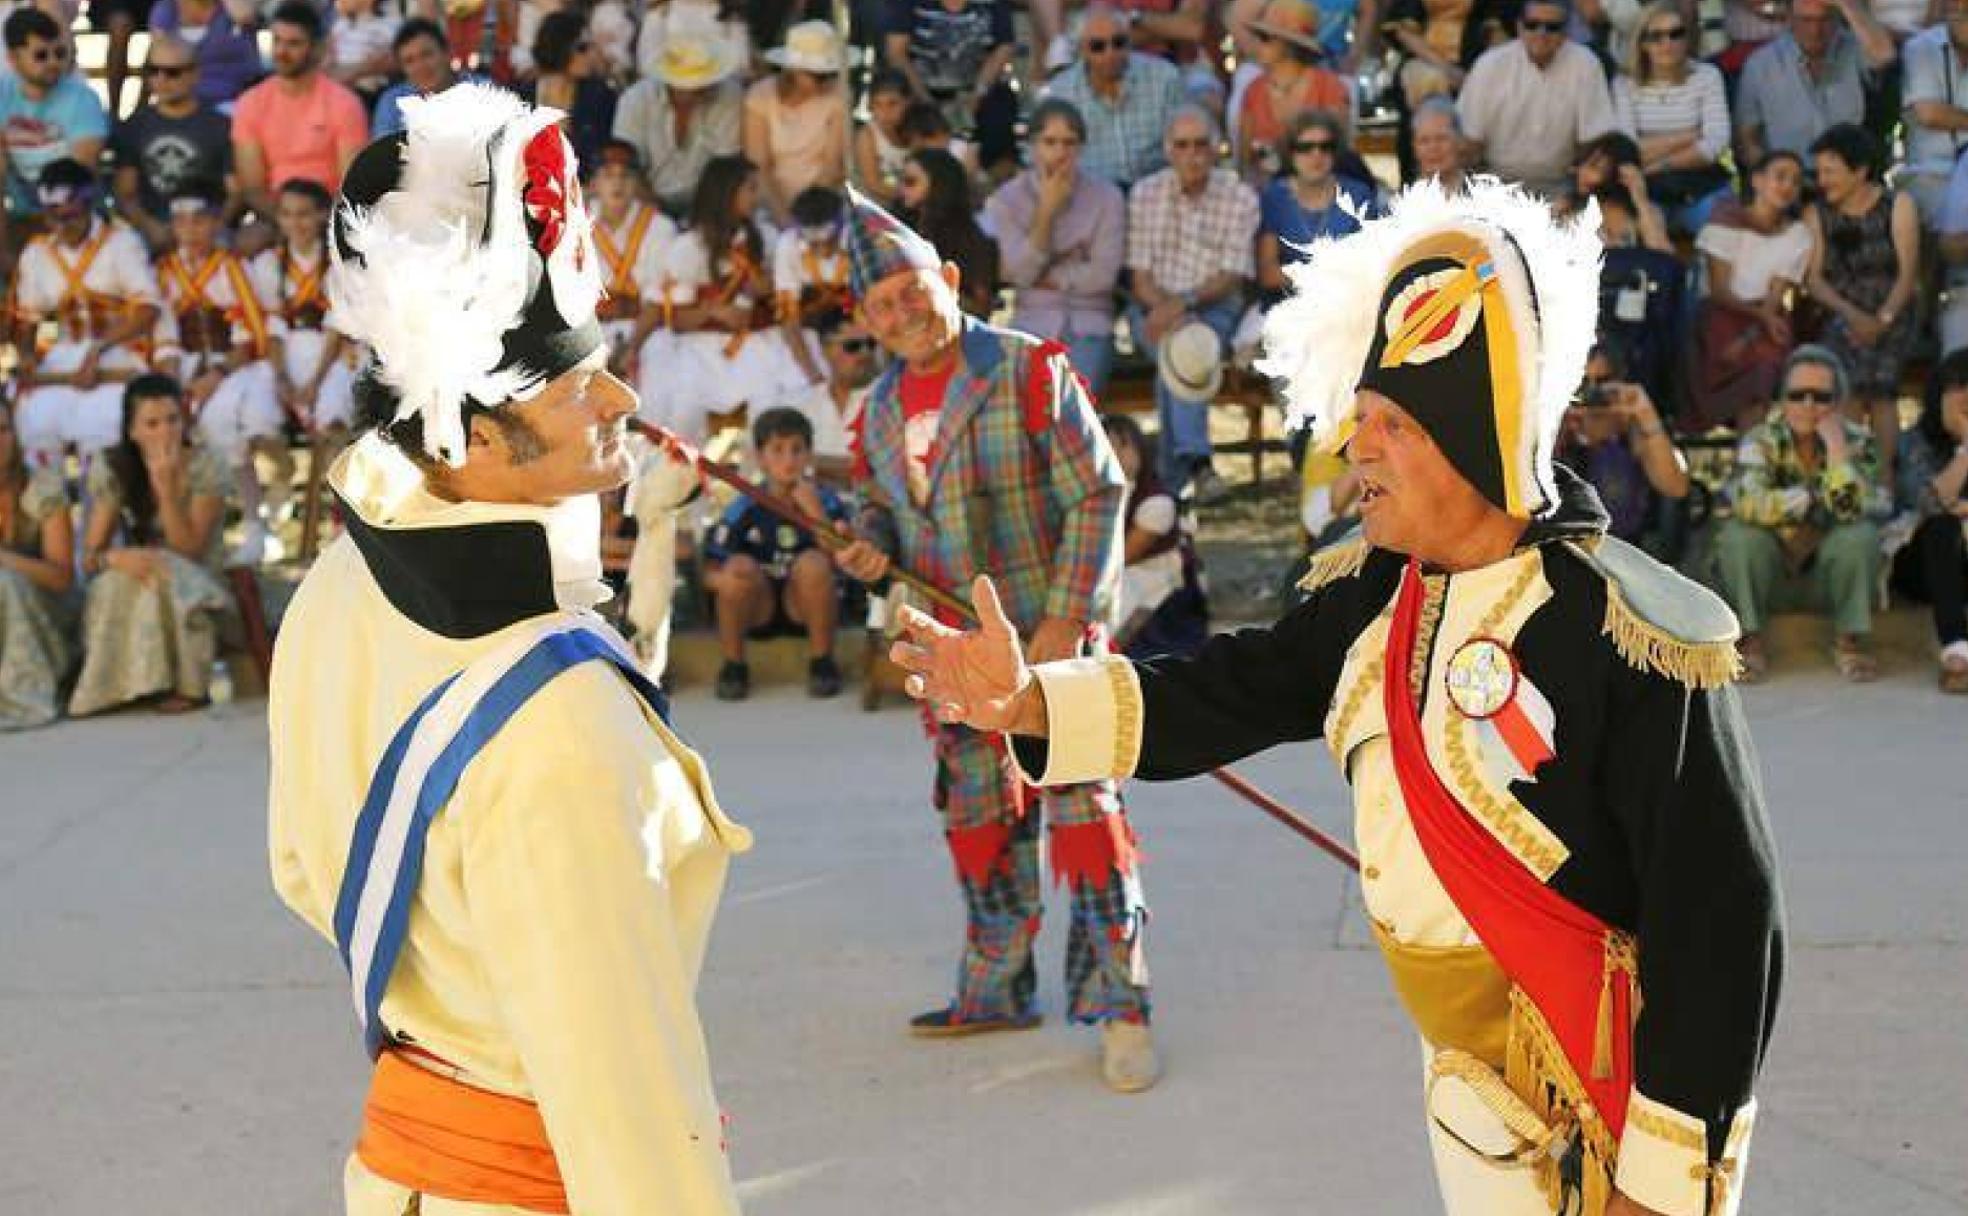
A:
<point x="1777" y="182"/>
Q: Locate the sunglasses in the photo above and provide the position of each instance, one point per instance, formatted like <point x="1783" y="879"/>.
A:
<point x="1671" y="34"/>
<point x="1100" y="46"/>
<point x="1264" y="36"/>
<point x="169" y="71"/>
<point x="1189" y="145"/>
<point x="48" y="54"/>
<point x="855" y="346"/>
<point x="1304" y="146"/>
<point x="1541" y="27"/>
<point x="1809" y="396"/>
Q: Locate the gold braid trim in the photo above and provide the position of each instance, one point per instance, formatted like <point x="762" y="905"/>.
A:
<point x="1434" y="595"/>
<point x="1702" y="665"/>
<point x="1127" y="716"/>
<point x="1660" y="1127"/>
<point x="1342" y="559"/>
<point x="1536" y="1070"/>
<point x="1356" y="697"/>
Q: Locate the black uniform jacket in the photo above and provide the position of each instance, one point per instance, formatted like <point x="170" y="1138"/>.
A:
<point x="1654" y="790"/>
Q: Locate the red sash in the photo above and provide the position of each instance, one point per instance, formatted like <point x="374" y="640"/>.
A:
<point x="1559" y="955"/>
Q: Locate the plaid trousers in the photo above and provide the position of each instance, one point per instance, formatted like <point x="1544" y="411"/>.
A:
<point x="993" y="826"/>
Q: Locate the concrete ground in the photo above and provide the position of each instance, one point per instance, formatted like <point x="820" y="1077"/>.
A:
<point x="171" y="1042"/>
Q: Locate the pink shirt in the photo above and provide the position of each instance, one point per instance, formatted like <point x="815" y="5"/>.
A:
<point x="307" y="134"/>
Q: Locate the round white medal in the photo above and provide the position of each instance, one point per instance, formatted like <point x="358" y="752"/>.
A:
<point x="1482" y="678"/>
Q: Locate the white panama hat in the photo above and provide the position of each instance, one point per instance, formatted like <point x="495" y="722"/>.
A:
<point x="811" y="46"/>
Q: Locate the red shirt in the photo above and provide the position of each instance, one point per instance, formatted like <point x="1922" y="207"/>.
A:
<point x="922" y="411"/>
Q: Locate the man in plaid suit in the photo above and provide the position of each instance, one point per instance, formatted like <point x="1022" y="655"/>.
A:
<point x="981" y="451"/>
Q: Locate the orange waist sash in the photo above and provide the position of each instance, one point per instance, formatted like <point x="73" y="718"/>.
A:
<point x="442" y="1137"/>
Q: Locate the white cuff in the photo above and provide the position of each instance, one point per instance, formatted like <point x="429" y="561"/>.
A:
<point x="1093" y="715"/>
<point x="1664" y="1165"/>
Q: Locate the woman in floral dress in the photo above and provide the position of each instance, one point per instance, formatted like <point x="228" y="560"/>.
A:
<point x="150" y="625"/>
<point x="37" y="564"/>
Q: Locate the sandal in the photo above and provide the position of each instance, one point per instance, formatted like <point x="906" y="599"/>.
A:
<point x="1854" y="662"/>
<point x="178" y="703"/>
<point x="1755" y="664"/>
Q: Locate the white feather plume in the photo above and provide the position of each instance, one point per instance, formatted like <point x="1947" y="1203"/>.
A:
<point x="1316" y="340"/>
<point x="429" y="296"/>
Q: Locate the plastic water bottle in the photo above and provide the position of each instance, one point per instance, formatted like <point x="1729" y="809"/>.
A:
<point x="220" y="688"/>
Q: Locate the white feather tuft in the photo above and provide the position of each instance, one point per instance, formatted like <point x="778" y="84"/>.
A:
<point x="1317" y="339"/>
<point x="437" y="287"/>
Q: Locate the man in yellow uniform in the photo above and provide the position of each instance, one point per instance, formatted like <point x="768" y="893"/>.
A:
<point x="475" y="793"/>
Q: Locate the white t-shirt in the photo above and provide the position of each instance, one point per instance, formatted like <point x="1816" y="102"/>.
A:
<point x="687" y="266"/>
<point x="1754" y="259"/>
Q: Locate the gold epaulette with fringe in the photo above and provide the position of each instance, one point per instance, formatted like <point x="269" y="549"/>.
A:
<point x="1344" y="558"/>
<point x="1660" y="621"/>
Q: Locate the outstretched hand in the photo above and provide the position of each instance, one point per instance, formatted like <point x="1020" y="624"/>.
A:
<point x="977" y="678"/>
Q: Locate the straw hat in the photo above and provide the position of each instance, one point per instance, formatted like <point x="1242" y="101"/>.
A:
<point x="691" y="61"/>
<point x="1295" y="21"/>
<point x="811" y="46"/>
<point x="1191" y="363"/>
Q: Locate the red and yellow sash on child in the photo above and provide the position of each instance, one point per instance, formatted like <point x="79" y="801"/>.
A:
<point x="1574" y="991"/>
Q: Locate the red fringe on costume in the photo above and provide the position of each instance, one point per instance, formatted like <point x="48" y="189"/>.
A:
<point x="976" y="850"/>
<point x="1089" y="852"/>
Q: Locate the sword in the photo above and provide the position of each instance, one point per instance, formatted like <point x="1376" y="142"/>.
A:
<point x="834" y="538"/>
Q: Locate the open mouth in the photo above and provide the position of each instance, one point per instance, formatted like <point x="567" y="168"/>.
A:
<point x="1370" y="493"/>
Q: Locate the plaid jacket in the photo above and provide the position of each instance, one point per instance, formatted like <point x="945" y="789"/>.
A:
<point x="1024" y="485"/>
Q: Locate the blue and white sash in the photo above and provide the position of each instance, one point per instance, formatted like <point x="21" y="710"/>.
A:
<point x="419" y="772"/>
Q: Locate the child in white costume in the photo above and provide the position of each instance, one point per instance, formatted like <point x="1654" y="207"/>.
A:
<point x="84" y="301"/>
<point x="810" y="276"/>
<point x="633" y="239"/>
<point x="718" y="300"/>
<point x="212" y="336"/>
<point x="311" y="362"/>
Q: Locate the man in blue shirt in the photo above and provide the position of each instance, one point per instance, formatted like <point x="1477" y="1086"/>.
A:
<point x="770" y="576"/>
<point x="423" y="56"/>
<point x="46" y="113"/>
<point x="1127" y="99"/>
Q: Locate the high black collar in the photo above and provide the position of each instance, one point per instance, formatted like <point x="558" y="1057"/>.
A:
<point x="1577" y="515"/>
<point x="461" y="582"/>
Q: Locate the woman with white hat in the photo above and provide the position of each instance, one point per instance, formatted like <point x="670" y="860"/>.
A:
<point x="796" y="119"/>
<point x="682" y="115"/>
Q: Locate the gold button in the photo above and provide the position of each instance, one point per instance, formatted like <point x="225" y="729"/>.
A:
<point x="1372" y="872"/>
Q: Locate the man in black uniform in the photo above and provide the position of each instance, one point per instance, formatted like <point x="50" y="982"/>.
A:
<point x="1564" y="851"/>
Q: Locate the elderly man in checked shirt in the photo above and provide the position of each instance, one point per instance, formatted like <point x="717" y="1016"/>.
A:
<point x="1191" y="247"/>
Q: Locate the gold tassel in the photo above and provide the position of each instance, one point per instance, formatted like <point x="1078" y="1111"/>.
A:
<point x="1343" y="559"/>
<point x="1536" y="1070"/>
<point x="1700" y="665"/>
<point x="1602" y="1035"/>
<point x="1620" y="956"/>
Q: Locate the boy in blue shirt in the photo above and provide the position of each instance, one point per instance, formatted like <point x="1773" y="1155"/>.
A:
<point x="769" y="576"/>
